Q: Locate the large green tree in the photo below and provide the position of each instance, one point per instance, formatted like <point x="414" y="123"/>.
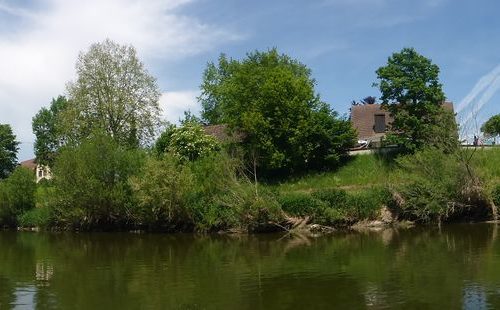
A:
<point x="114" y="94"/>
<point x="492" y="126"/>
<point x="45" y="126"/>
<point x="411" y="91"/>
<point x="269" y="99"/>
<point x="8" y="150"/>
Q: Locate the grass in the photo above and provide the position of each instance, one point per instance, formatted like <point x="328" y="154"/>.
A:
<point x="369" y="170"/>
<point x="361" y="171"/>
<point x="487" y="163"/>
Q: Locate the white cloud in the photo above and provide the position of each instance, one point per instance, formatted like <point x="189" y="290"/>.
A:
<point x="175" y="103"/>
<point x="37" y="55"/>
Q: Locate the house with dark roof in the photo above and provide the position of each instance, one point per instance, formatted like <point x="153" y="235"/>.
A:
<point x="41" y="171"/>
<point x="222" y="133"/>
<point x="372" y="121"/>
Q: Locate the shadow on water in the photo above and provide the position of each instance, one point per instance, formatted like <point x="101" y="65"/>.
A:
<point x="457" y="266"/>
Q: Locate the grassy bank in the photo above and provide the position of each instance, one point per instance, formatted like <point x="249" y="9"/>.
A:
<point x="212" y="195"/>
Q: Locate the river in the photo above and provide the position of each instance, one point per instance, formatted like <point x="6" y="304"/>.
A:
<point x="452" y="267"/>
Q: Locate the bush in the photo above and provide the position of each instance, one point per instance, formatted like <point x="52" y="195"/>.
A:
<point x="206" y="194"/>
<point x="91" y="182"/>
<point x="37" y="217"/>
<point x="437" y="187"/>
<point x="187" y="142"/>
<point x="161" y="191"/>
<point x="17" y="195"/>
<point x="495" y="195"/>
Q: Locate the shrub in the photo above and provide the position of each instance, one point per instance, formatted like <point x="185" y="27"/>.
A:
<point x="37" y="217"/>
<point x="91" y="182"/>
<point x="495" y="195"/>
<point x="17" y="195"/>
<point x="187" y="142"/>
<point x="437" y="186"/>
<point x="161" y="191"/>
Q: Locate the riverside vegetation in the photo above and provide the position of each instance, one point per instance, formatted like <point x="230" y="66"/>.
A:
<point x="283" y="166"/>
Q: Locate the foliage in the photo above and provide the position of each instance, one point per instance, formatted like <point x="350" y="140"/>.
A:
<point x="91" y="182"/>
<point x="492" y="126"/>
<point x="411" y="91"/>
<point x="163" y="142"/>
<point x="45" y="127"/>
<point x="8" y="150"/>
<point x="438" y="187"/>
<point x="270" y="98"/>
<point x="17" y="195"/>
<point x="161" y="192"/>
<point x="113" y="93"/>
<point x="222" y="198"/>
<point x="204" y="194"/>
<point x="36" y="217"/>
<point x="186" y="142"/>
<point x="190" y="142"/>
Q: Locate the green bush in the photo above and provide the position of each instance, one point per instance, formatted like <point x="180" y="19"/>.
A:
<point x="91" y="181"/>
<point x="161" y="192"/>
<point x="436" y="186"/>
<point x="37" y="217"/>
<point x="17" y="195"/>
<point x="495" y="195"/>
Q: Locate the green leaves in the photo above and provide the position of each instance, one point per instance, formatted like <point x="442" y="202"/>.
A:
<point x="8" y="150"/>
<point x="187" y="142"/>
<point x="270" y="97"/>
<point x="45" y="126"/>
<point x="113" y="93"/>
<point x="492" y="126"/>
<point x="411" y="91"/>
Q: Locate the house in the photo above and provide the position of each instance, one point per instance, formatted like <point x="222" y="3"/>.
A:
<point x="222" y="134"/>
<point x="41" y="171"/>
<point x="371" y="121"/>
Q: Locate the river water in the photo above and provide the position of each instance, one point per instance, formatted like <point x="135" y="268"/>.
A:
<point x="454" y="267"/>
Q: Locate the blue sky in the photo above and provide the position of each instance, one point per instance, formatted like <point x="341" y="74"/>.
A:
<point x="342" y="41"/>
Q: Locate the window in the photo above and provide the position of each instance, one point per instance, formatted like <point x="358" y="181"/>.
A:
<point x="379" y="123"/>
<point x="40" y="173"/>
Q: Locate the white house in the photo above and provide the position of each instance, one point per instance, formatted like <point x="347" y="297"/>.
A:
<point x="41" y="171"/>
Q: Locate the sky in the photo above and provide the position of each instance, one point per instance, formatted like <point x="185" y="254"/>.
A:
<point x="342" y="41"/>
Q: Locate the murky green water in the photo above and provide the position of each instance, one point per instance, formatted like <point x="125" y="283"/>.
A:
<point x="452" y="268"/>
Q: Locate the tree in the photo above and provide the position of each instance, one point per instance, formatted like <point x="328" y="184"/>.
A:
<point x="270" y="98"/>
<point x="114" y="94"/>
<point x="412" y="93"/>
<point x="492" y="126"/>
<point x="8" y="150"/>
<point x="45" y="126"/>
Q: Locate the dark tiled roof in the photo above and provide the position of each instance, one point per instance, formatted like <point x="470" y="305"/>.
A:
<point x="221" y="132"/>
<point x="363" y="119"/>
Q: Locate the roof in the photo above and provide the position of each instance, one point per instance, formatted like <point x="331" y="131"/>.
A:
<point x="222" y="133"/>
<point x="363" y="119"/>
<point x="30" y="164"/>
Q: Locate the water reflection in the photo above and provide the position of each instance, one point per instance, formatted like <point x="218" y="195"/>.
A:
<point x="453" y="267"/>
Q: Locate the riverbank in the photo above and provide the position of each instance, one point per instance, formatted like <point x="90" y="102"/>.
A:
<point x="208" y="196"/>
